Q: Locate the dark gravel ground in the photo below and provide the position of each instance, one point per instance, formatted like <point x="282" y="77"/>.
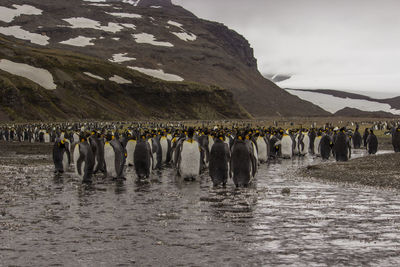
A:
<point x="374" y="170"/>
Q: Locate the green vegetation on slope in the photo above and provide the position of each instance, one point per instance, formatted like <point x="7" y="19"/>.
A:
<point x="79" y="96"/>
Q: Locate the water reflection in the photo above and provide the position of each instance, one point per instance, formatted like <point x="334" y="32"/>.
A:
<point x="168" y="221"/>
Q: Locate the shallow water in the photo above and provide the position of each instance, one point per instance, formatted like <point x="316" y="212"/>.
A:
<point x="50" y="221"/>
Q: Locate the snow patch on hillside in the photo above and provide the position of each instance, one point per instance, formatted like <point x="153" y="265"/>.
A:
<point x="160" y="74"/>
<point x="9" y="14"/>
<point x="119" y="80"/>
<point x="146" y="38"/>
<point x="125" y="15"/>
<point x="333" y="104"/>
<point x="119" y="58"/>
<point x="85" y="23"/>
<point x="40" y="76"/>
<point x="19" y="33"/>
<point x="94" y="76"/>
<point x="183" y="35"/>
<point x="79" y="41"/>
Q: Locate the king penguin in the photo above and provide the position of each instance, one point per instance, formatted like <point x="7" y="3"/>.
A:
<point x="219" y="161"/>
<point x="242" y="163"/>
<point x="286" y="146"/>
<point x="84" y="160"/>
<point x="61" y="156"/>
<point x="189" y="157"/>
<point x="130" y="149"/>
<point x="143" y="158"/>
<point x="114" y="156"/>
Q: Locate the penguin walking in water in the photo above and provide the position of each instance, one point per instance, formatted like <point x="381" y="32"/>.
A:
<point x="317" y="141"/>
<point x="243" y="164"/>
<point x="61" y="156"/>
<point x="342" y="146"/>
<point x="114" y="156"/>
<point x="286" y="146"/>
<point x="84" y="160"/>
<point x="396" y="138"/>
<point x="219" y="161"/>
<point x="372" y="143"/>
<point x="143" y="158"/>
<point x="189" y="157"/>
<point x="357" y="139"/>
<point x="97" y="145"/>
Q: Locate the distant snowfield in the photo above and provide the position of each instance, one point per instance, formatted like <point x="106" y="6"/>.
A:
<point x="145" y="38"/>
<point x="333" y="104"/>
<point x="184" y="35"/>
<point x="160" y="74"/>
<point x="119" y="80"/>
<point x="374" y="85"/>
<point x="119" y="58"/>
<point x="19" y="33"/>
<point x="125" y="15"/>
<point x="85" y="23"/>
<point x="94" y="76"/>
<point x="79" y="41"/>
<point x="156" y="6"/>
<point x="9" y="14"/>
<point x="40" y="76"/>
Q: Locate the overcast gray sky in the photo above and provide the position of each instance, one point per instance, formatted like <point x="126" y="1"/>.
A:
<point x="347" y="44"/>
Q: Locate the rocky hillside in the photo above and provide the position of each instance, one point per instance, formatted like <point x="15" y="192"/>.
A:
<point x="44" y="84"/>
<point x="154" y="37"/>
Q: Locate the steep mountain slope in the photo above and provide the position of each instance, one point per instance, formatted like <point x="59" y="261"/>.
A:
<point x="154" y="37"/>
<point x="44" y="84"/>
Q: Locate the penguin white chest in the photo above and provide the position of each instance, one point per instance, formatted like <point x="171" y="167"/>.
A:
<point x="164" y="148"/>
<point x="190" y="159"/>
<point x="109" y="158"/>
<point x="286" y="146"/>
<point x="262" y="149"/>
<point x="130" y="149"/>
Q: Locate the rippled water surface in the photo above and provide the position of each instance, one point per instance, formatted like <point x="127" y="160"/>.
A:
<point x="47" y="220"/>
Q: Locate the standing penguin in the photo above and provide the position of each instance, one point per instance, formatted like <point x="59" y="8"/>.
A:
<point x="97" y="145"/>
<point x="219" y="161"/>
<point x="130" y="149"/>
<point x="372" y="143"/>
<point x="287" y="146"/>
<point x="396" y="138"/>
<point x="114" y="156"/>
<point x="365" y="136"/>
<point x="325" y="146"/>
<point x="189" y="157"/>
<point x="357" y="139"/>
<point x="242" y="163"/>
<point x="262" y="149"/>
<point x="84" y="160"/>
<point x="61" y="156"/>
<point x="317" y="141"/>
<point x="165" y="145"/>
<point x="342" y="146"/>
<point x="143" y="158"/>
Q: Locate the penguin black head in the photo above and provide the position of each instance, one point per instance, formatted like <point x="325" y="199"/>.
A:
<point x="109" y="136"/>
<point x="190" y="132"/>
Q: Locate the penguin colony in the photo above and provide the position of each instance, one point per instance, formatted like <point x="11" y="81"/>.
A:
<point x="236" y="152"/>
